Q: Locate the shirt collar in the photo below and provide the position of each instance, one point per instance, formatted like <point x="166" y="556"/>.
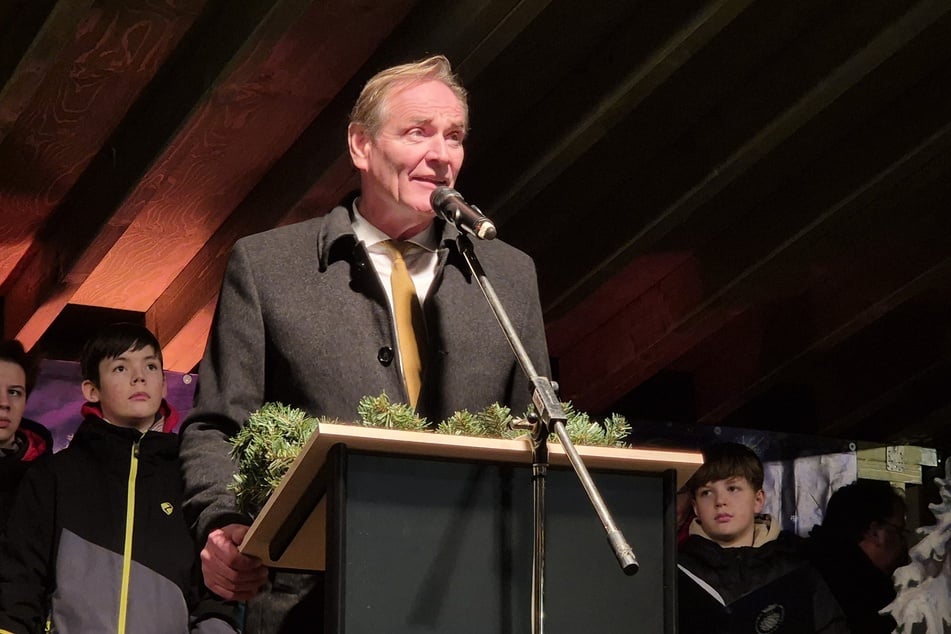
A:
<point x="370" y="235"/>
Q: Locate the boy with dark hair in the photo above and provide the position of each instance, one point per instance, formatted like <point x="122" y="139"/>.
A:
<point x="22" y="441"/>
<point x="860" y="544"/>
<point x="738" y="572"/>
<point x="97" y="541"/>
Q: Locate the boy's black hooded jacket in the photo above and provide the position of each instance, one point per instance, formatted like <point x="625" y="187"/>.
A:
<point x="97" y="531"/>
<point x="33" y="441"/>
<point x="767" y="588"/>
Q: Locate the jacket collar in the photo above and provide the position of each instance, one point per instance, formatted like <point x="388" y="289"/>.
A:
<point x="38" y="440"/>
<point x="170" y="416"/>
<point x="764" y="530"/>
<point x="336" y="240"/>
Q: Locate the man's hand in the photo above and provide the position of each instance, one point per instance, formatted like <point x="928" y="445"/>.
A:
<point x="228" y="573"/>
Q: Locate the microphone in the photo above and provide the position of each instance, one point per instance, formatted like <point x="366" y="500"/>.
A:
<point x="450" y="204"/>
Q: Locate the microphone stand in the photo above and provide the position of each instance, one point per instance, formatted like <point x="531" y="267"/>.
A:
<point x="550" y="418"/>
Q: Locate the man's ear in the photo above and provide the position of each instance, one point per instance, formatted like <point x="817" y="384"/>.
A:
<point x="759" y="500"/>
<point x="359" y="143"/>
<point x="90" y="391"/>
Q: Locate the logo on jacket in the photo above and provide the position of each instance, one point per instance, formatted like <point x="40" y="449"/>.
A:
<point x="769" y="620"/>
<point x="167" y="508"/>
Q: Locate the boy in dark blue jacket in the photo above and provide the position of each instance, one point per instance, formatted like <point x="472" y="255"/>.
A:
<point x="738" y="572"/>
<point x="97" y="541"/>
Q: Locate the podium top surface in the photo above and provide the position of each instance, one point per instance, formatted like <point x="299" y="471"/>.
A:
<point x="518" y="451"/>
<point x="308" y="553"/>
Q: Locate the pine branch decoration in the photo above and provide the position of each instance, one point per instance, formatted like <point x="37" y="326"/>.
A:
<point x="616" y="429"/>
<point x="265" y="448"/>
<point x="583" y="431"/>
<point x="273" y="437"/>
<point x="492" y="422"/>
<point x="379" y="411"/>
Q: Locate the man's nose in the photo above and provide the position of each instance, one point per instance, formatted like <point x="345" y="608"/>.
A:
<point x="438" y="149"/>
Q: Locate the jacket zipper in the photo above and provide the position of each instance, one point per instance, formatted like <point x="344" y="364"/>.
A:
<point x="127" y="548"/>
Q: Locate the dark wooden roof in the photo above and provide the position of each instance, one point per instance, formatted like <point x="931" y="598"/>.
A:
<point x="738" y="208"/>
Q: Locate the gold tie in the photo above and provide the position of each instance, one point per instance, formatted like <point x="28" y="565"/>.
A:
<point x="408" y="316"/>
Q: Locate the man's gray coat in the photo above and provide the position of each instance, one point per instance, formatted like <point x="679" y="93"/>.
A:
<point x="303" y="319"/>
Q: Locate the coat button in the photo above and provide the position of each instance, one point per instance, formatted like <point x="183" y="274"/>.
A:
<point x="385" y="355"/>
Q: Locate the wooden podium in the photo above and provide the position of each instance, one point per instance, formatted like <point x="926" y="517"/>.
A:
<point x="422" y="532"/>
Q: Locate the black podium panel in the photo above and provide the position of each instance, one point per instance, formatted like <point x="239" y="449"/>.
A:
<point x="439" y="546"/>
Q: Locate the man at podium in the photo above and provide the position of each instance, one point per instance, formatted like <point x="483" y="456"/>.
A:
<point x="372" y="297"/>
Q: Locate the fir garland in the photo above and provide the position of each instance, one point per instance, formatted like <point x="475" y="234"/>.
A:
<point x="264" y="449"/>
<point x="273" y="437"/>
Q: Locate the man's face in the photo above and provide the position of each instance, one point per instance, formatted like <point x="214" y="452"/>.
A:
<point x="131" y="388"/>
<point x="892" y="542"/>
<point x="417" y="149"/>
<point x="727" y="509"/>
<point x="12" y="401"/>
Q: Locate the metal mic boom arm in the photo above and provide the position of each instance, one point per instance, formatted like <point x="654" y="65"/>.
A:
<point x="551" y="419"/>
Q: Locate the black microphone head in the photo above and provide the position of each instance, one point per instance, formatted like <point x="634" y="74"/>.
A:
<point x="449" y="204"/>
<point x="441" y="196"/>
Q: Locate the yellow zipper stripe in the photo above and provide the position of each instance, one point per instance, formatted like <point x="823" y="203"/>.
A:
<point x="127" y="549"/>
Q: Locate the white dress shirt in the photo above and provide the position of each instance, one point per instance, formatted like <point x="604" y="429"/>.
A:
<point x="421" y="258"/>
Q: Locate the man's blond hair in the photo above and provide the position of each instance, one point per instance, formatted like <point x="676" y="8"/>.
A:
<point x="370" y="109"/>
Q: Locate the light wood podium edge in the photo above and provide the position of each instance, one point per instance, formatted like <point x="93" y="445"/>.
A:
<point x="308" y="553"/>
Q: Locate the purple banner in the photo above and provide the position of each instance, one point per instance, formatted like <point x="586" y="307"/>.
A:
<point x="57" y="397"/>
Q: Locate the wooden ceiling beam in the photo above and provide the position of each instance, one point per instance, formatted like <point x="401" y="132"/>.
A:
<point x="891" y="40"/>
<point x="738" y="253"/>
<point x="914" y="411"/>
<point x="630" y="91"/>
<point x="294" y="63"/>
<point x="182" y="351"/>
<point x="821" y="331"/>
<point x="653" y="329"/>
<point x="74" y="85"/>
<point x="85" y="94"/>
<point x="772" y="255"/>
<point x="854" y="284"/>
<point x="57" y="30"/>
<point x="893" y="373"/>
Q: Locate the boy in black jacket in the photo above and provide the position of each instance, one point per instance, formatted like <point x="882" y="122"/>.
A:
<point x="738" y="572"/>
<point x="97" y="541"/>
<point x="22" y="441"/>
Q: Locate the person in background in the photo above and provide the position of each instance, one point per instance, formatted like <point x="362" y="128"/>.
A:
<point x="309" y="315"/>
<point x="862" y="540"/>
<point x="22" y="440"/>
<point x="738" y="571"/>
<point x="97" y="541"/>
